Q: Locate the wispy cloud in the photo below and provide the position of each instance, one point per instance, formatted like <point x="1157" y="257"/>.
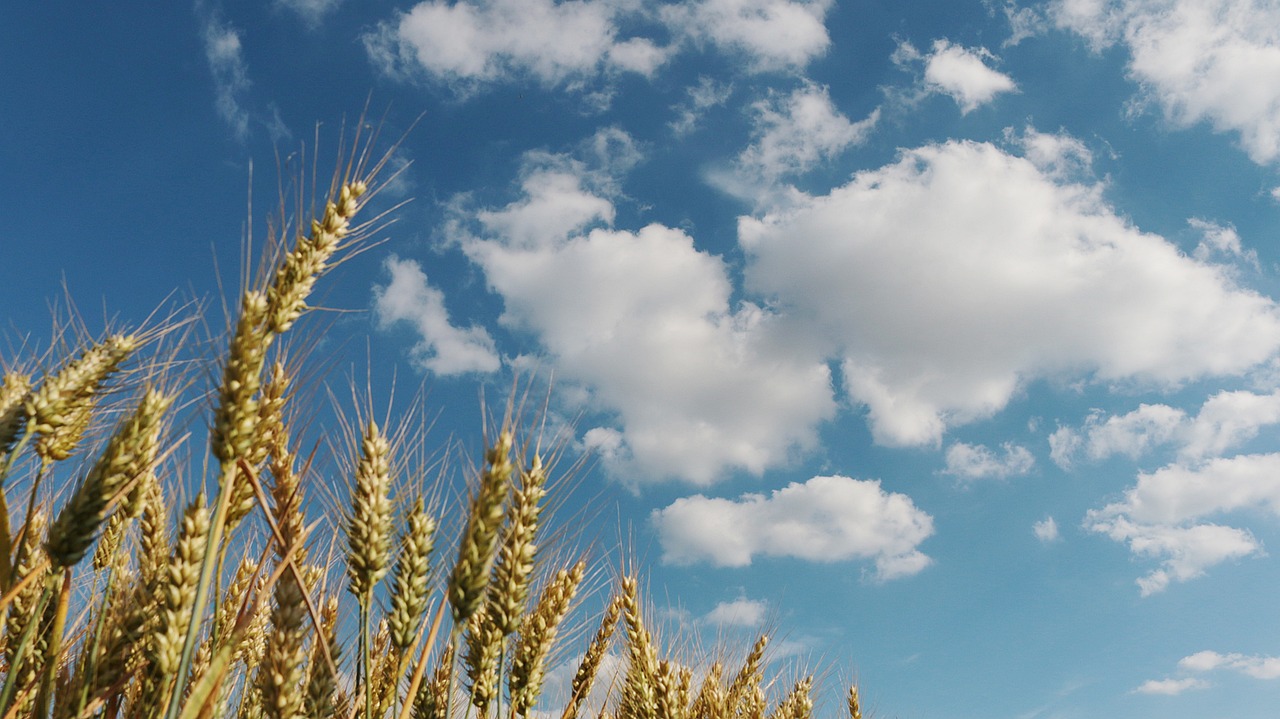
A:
<point x="225" y="56"/>
<point x="970" y="462"/>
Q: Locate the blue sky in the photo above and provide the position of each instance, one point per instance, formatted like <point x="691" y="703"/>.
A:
<point x="942" y="335"/>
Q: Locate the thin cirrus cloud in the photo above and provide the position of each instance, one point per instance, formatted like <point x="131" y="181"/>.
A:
<point x="825" y="519"/>
<point x="1214" y="61"/>
<point x="948" y="279"/>
<point x="225" y="55"/>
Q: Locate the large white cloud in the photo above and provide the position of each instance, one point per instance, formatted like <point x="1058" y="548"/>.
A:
<point x="1215" y="61"/>
<point x="770" y="34"/>
<point x="643" y="322"/>
<point x="826" y="519"/>
<point x="479" y="41"/>
<point x="951" y="277"/>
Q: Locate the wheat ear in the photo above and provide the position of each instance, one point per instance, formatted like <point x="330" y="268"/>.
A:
<point x="322" y="684"/>
<point x="590" y="666"/>
<point x="409" y="585"/>
<point x="855" y="707"/>
<point x="177" y="595"/>
<point x="60" y="409"/>
<point x="639" y="692"/>
<point x="528" y="665"/>
<point x="480" y="538"/>
<point x="509" y="590"/>
<point x="13" y="411"/>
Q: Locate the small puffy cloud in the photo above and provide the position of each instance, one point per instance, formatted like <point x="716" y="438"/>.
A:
<point x="474" y="42"/>
<point x="1226" y="420"/>
<point x="443" y="348"/>
<point x="948" y="279"/>
<point x="770" y="34"/>
<point x="225" y="55"/>
<point x="738" y="613"/>
<point x="793" y="133"/>
<point x="1046" y="530"/>
<point x="826" y="519"/>
<point x="1171" y="687"/>
<point x="1213" y="61"/>
<point x="970" y="462"/>
<point x="963" y="74"/>
<point x="1185" y="552"/>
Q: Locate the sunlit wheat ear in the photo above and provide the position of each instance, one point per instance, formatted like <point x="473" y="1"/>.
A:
<point x="509" y="591"/>
<point x="671" y="689"/>
<point x="386" y="671"/>
<point x="242" y="584"/>
<point x="22" y="609"/>
<point x="13" y="411"/>
<point x="528" y="665"/>
<point x="590" y="666"/>
<point x="483" y="650"/>
<point x="430" y="701"/>
<point x="855" y="706"/>
<point x="121" y="635"/>
<point x="749" y="677"/>
<point x="153" y="537"/>
<point x="480" y="538"/>
<point x="60" y="410"/>
<point x="409" y="586"/>
<point x="712" y="699"/>
<point x="639" y="693"/>
<point x="797" y="704"/>
<point x="177" y="594"/>
<point x="321" y="683"/>
<point x="369" y="527"/>
<point x="130" y="452"/>
<point x="296" y="276"/>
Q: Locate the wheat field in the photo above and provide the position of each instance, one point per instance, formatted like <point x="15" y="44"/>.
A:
<point x="132" y="588"/>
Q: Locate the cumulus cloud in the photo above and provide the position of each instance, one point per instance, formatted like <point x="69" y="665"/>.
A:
<point x="1185" y="553"/>
<point x="1046" y="530"/>
<point x="970" y="462"/>
<point x="793" y="133"/>
<point x="642" y="322"/>
<point x="1214" y="61"/>
<point x="700" y="98"/>
<point x="1226" y="420"/>
<point x="963" y="74"/>
<point x="738" y="613"/>
<point x="474" y="42"/>
<point x="948" y="279"/>
<point x="826" y="519"/>
<point x="770" y="34"/>
<point x="1221" y="241"/>
<point x="443" y="348"/>
<point x="225" y="55"/>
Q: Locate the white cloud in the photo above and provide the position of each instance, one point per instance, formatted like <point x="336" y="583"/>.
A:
<point x="738" y="613"/>
<point x="1024" y="22"/>
<point x="1226" y="420"/>
<point x="311" y="11"/>
<point x="969" y="462"/>
<point x="1258" y="667"/>
<point x="796" y="132"/>
<point x="951" y="277"/>
<point x="642" y="322"/>
<point x="963" y="74"/>
<point x="1221" y="240"/>
<point x="771" y="34"/>
<point x="826" y="519"/>
<point x="1058" y="155"/>
<point x="1171" y="687"/>
<point x="444" y="349"/>
<point x="225" y="56"/>
<point x="1046" y="530"/>
<point x="473" y="42"/>
<point x="701" y="97"/>
<point x="1214" y="61"/>
<point x="1185" y="552"/>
